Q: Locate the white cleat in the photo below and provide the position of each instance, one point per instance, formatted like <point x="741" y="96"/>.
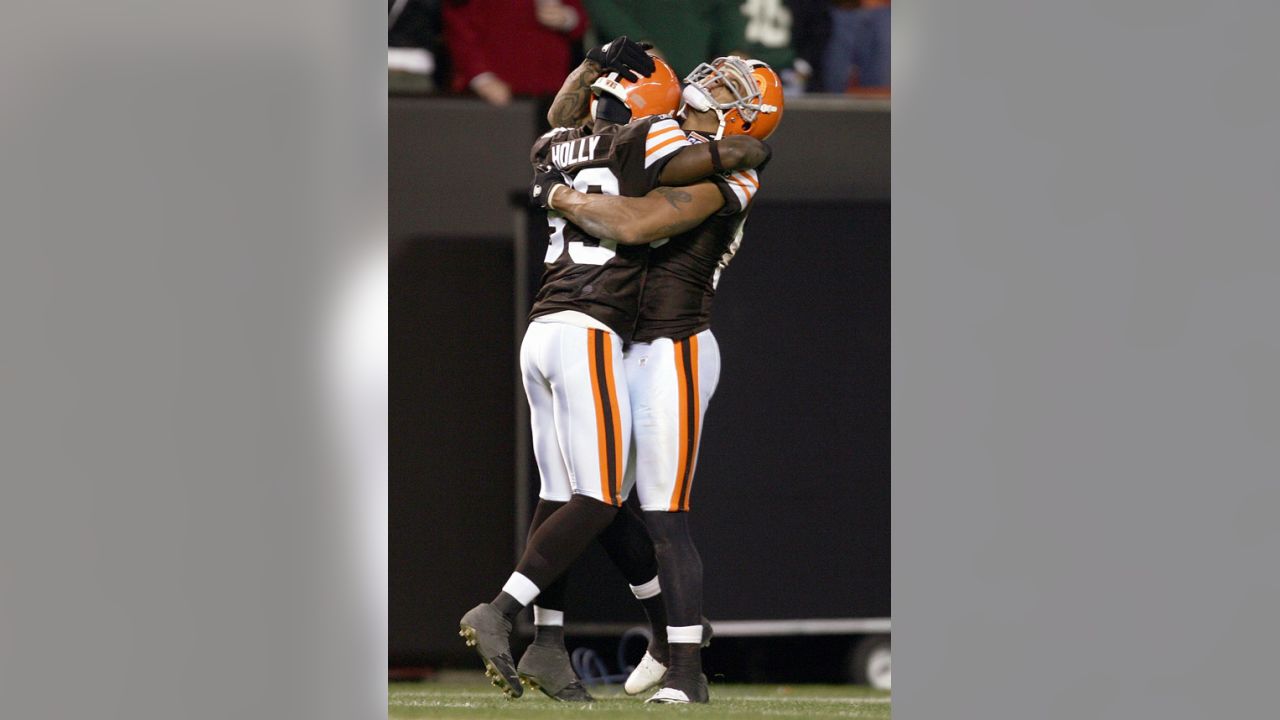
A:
<point x="695" y="692"/>
<point x="669" y="695"/>
<point x="647" y="675"/>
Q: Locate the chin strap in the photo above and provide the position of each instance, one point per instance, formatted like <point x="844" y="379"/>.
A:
<point x="697" y="98"/>
<point x="611" y="109"/>
<point x="611" y="100"/>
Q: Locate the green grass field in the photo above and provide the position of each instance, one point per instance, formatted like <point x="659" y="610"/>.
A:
<point x="473" y="697"/>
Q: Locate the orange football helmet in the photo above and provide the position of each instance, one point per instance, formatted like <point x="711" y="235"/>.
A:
<point x="756" y="108"/>
<point x="657" y="94"/>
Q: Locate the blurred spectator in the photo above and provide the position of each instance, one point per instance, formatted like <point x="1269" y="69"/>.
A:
<point x="413" y="37"/>
<point x="858" y="55"/>
<point x="502" y="48"/>
<point x="790" y="35"/>
<point x="683" y="33"/>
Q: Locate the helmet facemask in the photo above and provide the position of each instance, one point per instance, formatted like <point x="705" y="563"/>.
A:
<point x="732" y="73"/>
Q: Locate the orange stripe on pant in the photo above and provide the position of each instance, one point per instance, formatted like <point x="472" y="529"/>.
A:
<point x="611" y="387"/>
<point x="600" y="360"/>
<point x="687" y="379"/>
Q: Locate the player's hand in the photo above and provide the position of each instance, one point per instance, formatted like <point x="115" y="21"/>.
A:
<point x="623" y="56"/>
<point x="545" y="178"/>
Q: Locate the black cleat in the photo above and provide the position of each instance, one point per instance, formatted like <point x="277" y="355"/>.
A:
<point x="548" y="669"/>
<point x="486" y="629"/>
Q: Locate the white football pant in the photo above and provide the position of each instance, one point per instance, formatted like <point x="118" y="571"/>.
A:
<point x="579" y="410"/>
<point x="670" y="384"/>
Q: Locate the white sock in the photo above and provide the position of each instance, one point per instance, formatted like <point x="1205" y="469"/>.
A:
<point x="543" y="616"/>
<point x="686" y="634"/>
<point x="521" y="588"/>
<point x="647" y="590"/>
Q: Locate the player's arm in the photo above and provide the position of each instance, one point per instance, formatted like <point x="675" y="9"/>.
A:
<point x="573" y="102"/>
<point x="664" y="212"/>
<point x="695" y="162"/>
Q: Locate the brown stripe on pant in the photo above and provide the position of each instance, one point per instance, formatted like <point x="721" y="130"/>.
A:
<point x="687" y="379"/>
<point x="608" y="424"/>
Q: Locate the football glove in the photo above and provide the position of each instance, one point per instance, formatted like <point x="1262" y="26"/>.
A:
<point x="623" y="56"/>
<point x="545" y="178"/>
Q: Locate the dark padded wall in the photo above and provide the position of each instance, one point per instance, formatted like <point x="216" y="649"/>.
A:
<point x="791" y="497"/>
<point x="794" y="476"/>
<point x="452" y="386"/>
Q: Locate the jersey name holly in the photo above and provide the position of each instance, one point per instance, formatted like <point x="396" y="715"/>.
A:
<point x="579" y="152"/>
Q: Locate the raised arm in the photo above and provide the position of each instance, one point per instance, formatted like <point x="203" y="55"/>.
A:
<point x="620" y="55"/>
<point x="573" y="102"/>
<point x="662" y="213"/>
<point x="693" y="163"/>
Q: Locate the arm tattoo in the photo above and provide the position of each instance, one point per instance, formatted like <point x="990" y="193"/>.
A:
<point x="573" y="100"/>
<point x="675" y="196"/>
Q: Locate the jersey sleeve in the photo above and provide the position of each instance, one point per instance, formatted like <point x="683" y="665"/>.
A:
<point x="644" y="148"/>
<point x="661" y="143"/>
<point x="739" y="189"/>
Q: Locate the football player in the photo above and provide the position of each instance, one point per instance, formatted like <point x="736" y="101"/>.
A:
<point x="571" y="357"/>
<point x="674" y="364"/>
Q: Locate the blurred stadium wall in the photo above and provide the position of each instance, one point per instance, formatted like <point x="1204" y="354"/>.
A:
<point x="791" y="500"/>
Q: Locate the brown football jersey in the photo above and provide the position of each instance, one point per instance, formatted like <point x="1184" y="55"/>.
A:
<point x="599" y="277"/>
<point x="680" y="283"/>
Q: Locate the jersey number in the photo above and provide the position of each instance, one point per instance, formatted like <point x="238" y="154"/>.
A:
<point x="592" y="180"/>
<point x="768" y="22"/>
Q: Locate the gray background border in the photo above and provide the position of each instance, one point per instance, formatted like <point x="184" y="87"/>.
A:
<point x="1085" y="415"/>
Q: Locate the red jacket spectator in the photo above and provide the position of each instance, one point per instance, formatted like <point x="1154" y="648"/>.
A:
<point x="513" y="40"/>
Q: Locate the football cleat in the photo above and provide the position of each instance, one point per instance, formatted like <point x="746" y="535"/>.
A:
<point x="647" y="675"/>
<point x="487" y="630"/>
<point x="548" y="669"/>
<point x="650" y="672"/>
<point x="695" y="693"/>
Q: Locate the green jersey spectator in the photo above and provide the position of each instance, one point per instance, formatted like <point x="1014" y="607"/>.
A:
<point x="790" y="35"/>
<point x="683" y="32"/>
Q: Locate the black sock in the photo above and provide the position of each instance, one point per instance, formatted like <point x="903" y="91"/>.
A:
<point x="507" y="605"/>
<point x="655" y="608"/>
<point x="685" y="665"/>
<point x="562" y="537"/>
<point x="549" y="636"/>
<point x="679" y="566"/>
<point x="552" y="596"/>
<point x="627" y="543"/>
